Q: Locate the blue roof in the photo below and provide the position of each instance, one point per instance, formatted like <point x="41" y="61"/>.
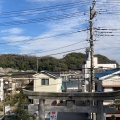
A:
<point x="107" y="72"/>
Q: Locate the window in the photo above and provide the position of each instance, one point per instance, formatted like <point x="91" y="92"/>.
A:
<point x="45" y="82"/>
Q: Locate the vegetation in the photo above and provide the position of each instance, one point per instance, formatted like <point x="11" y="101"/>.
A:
<point x="18" y="99"/>
<point x="116" y="104"/>
<point x="69" y="62"/>
<point x="15" y="102"/>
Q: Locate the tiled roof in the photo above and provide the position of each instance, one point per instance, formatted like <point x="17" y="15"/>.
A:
<point x="47" y="73"/>
<point x="107" y="72"/>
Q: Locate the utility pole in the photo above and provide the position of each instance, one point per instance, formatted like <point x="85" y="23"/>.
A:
<point x="91" y="40"/>
<point x="37" y="64"/>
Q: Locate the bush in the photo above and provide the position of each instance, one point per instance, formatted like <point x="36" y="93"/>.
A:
<point x="22" y="114"/>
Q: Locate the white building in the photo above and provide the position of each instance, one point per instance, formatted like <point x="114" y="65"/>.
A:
<point x="1" y="89"/>
<point x="86" y="69"/>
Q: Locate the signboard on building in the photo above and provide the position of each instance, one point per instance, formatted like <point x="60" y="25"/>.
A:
<point x="53" y="115"/>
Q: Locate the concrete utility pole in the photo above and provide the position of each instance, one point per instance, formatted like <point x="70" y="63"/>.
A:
<point x="37" y="64"/>
<point x="92" y="15"/>
<point x="92" y="81"/>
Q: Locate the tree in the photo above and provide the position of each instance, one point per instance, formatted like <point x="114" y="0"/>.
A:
<point x="22" y="114"/>
<point x="69" y="62"/>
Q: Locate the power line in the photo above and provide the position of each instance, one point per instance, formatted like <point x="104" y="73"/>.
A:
<point x="112" y="35"/>
<point x="30" y="12"/>
<point x="45" y="37"/>
<point x="57" y="48"/>
<point x="62" y="52"/>
<point x="45" y="8"/>
<point x="102" y="28"/>
<point x="108" y="2"/>
<point x="59" y="17"/>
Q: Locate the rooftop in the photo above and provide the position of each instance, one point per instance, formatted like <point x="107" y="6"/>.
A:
<point x="107" y="72"/>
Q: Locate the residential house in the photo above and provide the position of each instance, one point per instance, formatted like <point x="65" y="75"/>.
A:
<point x="110" y="81"/>
<point x="15" y="82"/>
<point x="71" y="80"/>
<point x="46" y="82"/>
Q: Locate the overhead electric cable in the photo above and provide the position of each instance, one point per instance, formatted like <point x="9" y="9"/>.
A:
<point x="64" y="16"/>
<point x="39" y="11"/>
<point x="102" y="28"/>
<point x="45" y="8"/>
<point x="57" y="48"/>
<point x="45" y="37"/>
<point x="64" y="52"/>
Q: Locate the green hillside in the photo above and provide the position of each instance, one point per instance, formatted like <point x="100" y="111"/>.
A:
<point x="69" y="62"/>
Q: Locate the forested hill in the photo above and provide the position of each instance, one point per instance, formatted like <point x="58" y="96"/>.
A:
<point x="71" y="61"/>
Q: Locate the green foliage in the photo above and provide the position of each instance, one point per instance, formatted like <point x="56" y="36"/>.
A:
<point x="1" y="107"/>
<point x="18" y="98"/>
<point x="74" y="60"/>
<point x="22" y="114"/>
<point x="69" y="62"/>
<point x="103" y="59"/>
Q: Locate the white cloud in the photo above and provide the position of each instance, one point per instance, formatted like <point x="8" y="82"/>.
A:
<point x="19" y="18"/>
<point x="15" y="39"/>
<point x="53" y="43"/>
<point x="58" y="27"/>
<point x="12" y="31"/>
<point x="108" y="46"/>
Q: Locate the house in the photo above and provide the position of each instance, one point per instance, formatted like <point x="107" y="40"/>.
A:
<point x="110" y="81"/>
<point x="13" y="83"/>
<point x="97" y="67"/>
<point x="46" y="82"/>
<point x="71" y="80"/>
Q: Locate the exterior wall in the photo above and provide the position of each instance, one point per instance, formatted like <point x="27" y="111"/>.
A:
<point x="109" y="84"/>
<point x="54" y="84"/>
<point x="1" y="89"/>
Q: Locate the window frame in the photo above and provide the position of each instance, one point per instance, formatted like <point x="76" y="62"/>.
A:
<point x="43" y="81"/>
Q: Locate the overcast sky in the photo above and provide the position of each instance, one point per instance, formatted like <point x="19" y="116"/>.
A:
<point x="48" y="27"/>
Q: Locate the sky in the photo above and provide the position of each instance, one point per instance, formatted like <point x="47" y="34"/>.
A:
<point x="58" y="27"/>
